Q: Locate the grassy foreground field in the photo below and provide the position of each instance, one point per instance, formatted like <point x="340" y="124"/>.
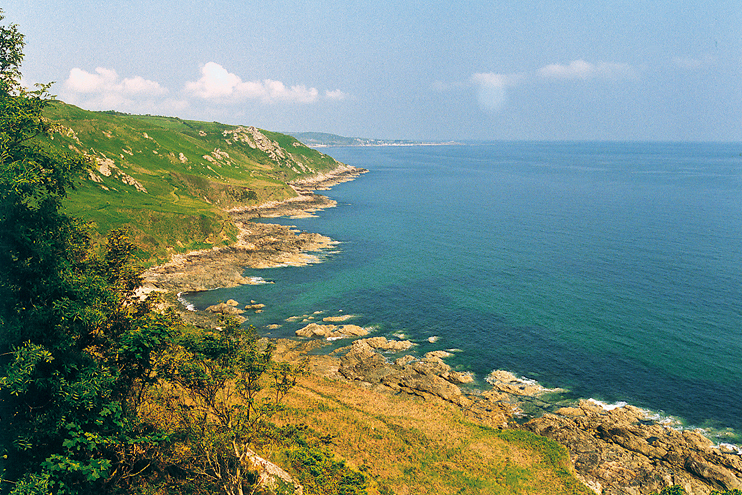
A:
<point x="412" y="446"/>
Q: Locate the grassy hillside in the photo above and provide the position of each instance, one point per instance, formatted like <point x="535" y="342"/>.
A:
<point x="170" y="180"/>
<point x="413" y="446"/>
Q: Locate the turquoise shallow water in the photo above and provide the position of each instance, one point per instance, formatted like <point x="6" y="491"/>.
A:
<point x="612" y="270"/>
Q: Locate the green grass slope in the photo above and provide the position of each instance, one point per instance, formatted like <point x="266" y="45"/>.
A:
<point x="169" y="180"/>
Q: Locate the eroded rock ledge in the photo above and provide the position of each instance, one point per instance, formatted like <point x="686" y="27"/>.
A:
<point x="617" y="451"/>
<point x="622" y="451"/>
<point x="259" y="245"/>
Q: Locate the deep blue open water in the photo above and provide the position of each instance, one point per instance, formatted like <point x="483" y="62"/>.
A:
<point x="611" y="270"/>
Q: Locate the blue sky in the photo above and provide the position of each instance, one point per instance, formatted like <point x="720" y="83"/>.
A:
<point x="433" y="70"/>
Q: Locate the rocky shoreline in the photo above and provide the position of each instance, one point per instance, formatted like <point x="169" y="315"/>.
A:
<point x="259" y="245"/>
<point x="616" y="451"/>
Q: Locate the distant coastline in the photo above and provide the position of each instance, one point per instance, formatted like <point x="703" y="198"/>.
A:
<point x="325" y="140"/>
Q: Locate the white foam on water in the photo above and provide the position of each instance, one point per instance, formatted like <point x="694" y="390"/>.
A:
<point x="608" y="407"/>
<point x="729" y="447"/>
<point x="186" y="304"/>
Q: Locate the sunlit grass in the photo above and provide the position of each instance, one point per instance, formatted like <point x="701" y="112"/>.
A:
<point x="412" y="446"/>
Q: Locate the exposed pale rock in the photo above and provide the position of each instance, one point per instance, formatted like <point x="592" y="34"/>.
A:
<point x="260" y="246"/>
<point x="106" y="166"/>
<point x="459" y="377"/>
<point x="621" y="451"/>
<point x="511" y="384"/>
<point x="352" y="331"/>
<point x="388" y="345"/>
<point x="437" y="355"/>
<point x="405" y="360"/>
<point x="316" y="330"/>
<point x="362" y="362"/>
<point x="256" y="139"/>
<point x="336" y="319"/>
<point x="331" y="331"/>
<point x="272" y="477"/>
<point x="225" y="309"/>
<point x="131" y="181"/>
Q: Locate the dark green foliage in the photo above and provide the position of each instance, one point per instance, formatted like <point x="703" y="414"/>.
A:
<point x="673" y="490"/>
<point x="320" y="473"/>
<point x="313" y="463"/>
<point x="76" y="347"/>
<point x="225" y="387"/>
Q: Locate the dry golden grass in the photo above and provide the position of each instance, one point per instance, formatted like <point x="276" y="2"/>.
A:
<point x="415" y="446"/>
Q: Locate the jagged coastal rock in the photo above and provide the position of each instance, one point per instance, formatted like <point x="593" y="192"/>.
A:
<point x="331" y="332"/>
<point x="621" y="451"/>
<point x="423" y="378"/>
<point x="615" y="451"/>
<point x="259" y="245"/>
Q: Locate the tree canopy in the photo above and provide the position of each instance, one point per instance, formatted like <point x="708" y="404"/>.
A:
<point x="76" y="346"/>
<point x="99" y="391"/>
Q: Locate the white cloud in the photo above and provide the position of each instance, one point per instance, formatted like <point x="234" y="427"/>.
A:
<point x="336" y="95"/>
<point x="580" y="69"/>
<point x="216" y="83"/>
<point x="492" y="88"/>
<point x="105" y="90"/>
<point x="106" y="82"/>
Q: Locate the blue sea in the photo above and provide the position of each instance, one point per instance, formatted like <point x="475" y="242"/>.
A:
<point x="610" y="270"/>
